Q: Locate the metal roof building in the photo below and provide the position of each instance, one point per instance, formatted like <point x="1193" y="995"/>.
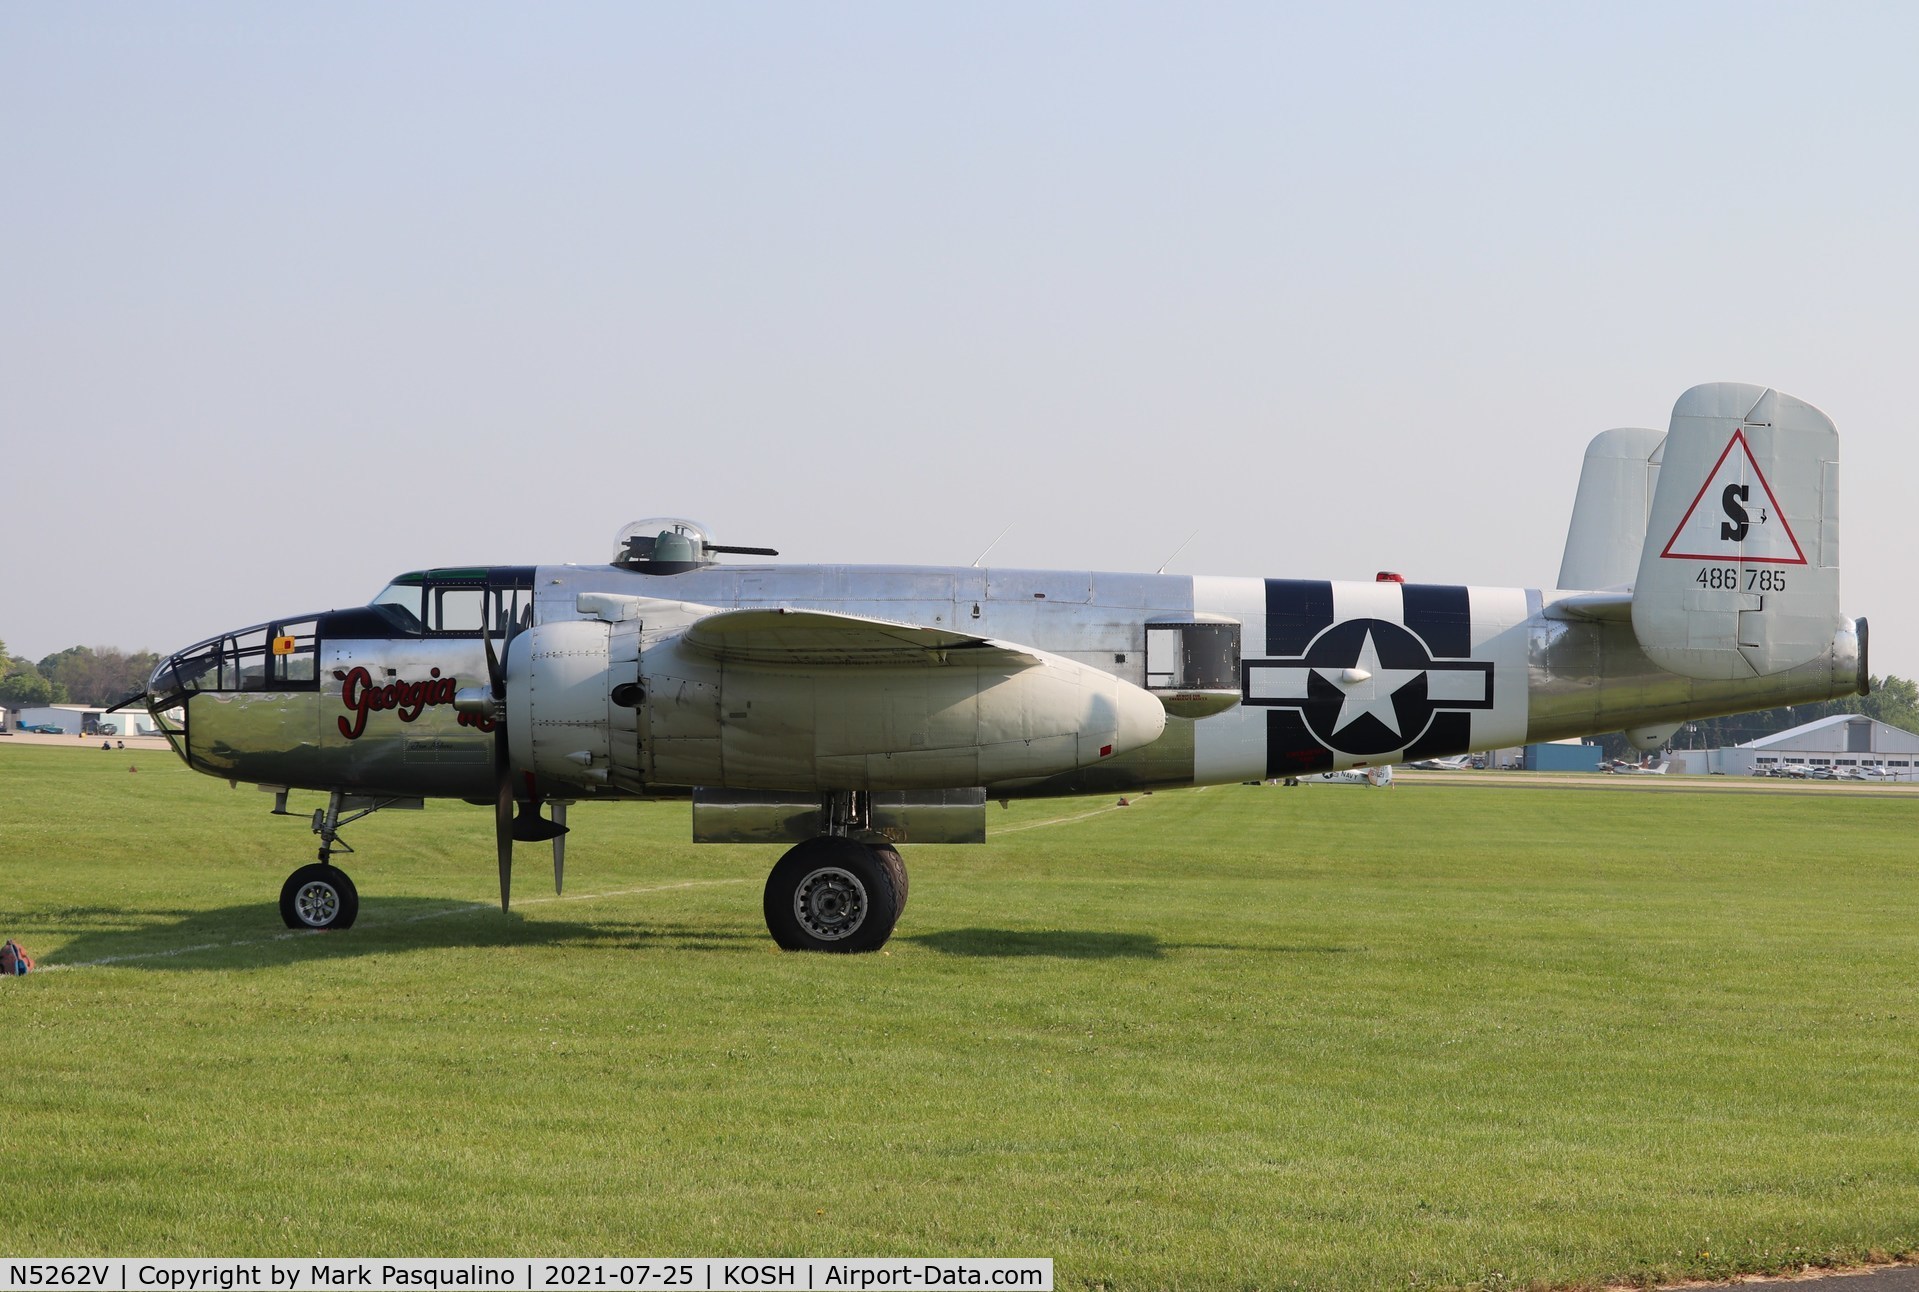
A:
<point x="1845" y="740"/>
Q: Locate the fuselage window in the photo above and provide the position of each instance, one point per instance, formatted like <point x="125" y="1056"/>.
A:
<point x="294" y="651"/>
<point x="1192" y="656"/>
<point x="272" y="657"/>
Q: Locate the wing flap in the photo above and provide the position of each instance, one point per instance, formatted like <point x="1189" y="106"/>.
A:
<point x="782" y="636"/>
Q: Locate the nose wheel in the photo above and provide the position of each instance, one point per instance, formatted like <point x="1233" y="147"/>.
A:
<point x="319" y="896"/>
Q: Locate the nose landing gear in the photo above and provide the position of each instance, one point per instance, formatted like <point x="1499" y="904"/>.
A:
<point x="319" y="895"/>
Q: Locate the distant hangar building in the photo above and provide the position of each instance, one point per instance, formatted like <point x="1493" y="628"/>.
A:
<point x="1845" y="740"/>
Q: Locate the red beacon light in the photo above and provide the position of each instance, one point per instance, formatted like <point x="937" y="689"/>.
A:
<point x="1387" y="576"/>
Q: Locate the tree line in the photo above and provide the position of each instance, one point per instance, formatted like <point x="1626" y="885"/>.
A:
<point x="89" y="675"/>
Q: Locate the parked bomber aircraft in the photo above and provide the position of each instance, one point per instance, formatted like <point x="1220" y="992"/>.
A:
<point x="846" y="710"/>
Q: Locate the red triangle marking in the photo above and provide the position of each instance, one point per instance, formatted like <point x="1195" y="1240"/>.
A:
<point x="1799" y="557"/>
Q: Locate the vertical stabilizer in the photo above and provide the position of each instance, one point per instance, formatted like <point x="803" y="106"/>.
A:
<point x="1739" y="575"/>
<point x="1609" y="513"/>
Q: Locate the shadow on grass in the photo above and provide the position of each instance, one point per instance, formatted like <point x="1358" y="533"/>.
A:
<point x="1082" y="944"/>
<point x="1066" y="944"/>
<point x="253" y="935"/>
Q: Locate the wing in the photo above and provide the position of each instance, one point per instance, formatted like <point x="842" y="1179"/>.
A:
<point x="777" y="635"/>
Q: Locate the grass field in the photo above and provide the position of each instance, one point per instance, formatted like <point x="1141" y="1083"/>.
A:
<point x="1240" y="1037"/>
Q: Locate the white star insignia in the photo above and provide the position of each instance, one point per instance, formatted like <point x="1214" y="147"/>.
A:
<point x="1369" y="688"/>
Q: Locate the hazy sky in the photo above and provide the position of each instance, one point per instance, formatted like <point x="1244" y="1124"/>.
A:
<point x="297" y="297"/>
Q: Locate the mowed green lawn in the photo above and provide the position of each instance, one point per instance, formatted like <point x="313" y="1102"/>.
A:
<point x="1242" y="1037"/>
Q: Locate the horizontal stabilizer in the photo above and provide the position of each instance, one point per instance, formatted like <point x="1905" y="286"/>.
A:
<point x="1593" y="607"/>
<point x="1739" y="574"/>
<point x="779" y="636"/>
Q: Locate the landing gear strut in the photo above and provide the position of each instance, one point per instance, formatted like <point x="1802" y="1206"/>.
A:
<point x="837" y="891"/>
<point x="319" y="895"/>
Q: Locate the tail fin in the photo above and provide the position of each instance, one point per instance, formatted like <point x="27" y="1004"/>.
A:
<point x="1739" y="574"/>
<point x="1609" y="514"/>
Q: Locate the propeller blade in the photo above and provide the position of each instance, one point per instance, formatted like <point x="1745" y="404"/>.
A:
<point x="494" y="673"/>
<point x="506" y="827"/>
<point x="503" y="812"/>
<point x="559" y="848"/>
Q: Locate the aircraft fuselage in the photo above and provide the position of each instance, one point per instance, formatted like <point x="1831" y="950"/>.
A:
<point x="1301" y="676"/>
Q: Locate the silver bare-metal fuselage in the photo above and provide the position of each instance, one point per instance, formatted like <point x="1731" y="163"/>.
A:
<point x="1258" y="677"/>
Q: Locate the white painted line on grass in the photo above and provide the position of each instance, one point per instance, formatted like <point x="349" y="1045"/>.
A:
<point x="465" y="908"/>
<point x="1060" y="820"/>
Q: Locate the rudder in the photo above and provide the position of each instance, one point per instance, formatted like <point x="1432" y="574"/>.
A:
<point x="1739" y="574"/>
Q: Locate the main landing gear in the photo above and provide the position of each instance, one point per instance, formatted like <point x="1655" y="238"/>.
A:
<point x="841" y="891"/>
<point x="837" y="891"/>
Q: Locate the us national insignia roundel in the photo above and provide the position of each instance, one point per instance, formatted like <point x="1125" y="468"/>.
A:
<point x="1366" y="686"/>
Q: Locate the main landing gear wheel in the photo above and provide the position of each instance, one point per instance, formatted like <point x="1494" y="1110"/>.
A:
<point x="832" y="894"/>
<point x="319" y="896"/>
<point x="895" y="870"/>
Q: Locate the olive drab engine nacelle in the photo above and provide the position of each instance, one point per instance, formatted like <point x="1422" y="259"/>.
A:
<point x="641" y="693"/>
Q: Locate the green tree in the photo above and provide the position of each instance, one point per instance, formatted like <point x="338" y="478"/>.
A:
<point x="97" y="675"/>
<point x="25" y="689"/>
<point x="1892" y="700"/>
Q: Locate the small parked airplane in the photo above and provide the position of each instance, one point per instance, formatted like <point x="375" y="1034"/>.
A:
<point x="849" y="709"/>
<point x="1454" y="764"/>
<point x="1380" y="778"/>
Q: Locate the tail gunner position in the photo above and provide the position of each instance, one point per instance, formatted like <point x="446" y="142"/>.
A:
<point x="846" y="710"/>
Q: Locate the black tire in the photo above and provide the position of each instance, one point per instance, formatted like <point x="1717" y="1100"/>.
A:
<point x="319" y="897"/>
<point x="896" y="871"/>
<point x="831" y="894"/>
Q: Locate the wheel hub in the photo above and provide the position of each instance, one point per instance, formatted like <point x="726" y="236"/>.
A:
<point x="317" y="903"/>
<point x="830" y="903"/>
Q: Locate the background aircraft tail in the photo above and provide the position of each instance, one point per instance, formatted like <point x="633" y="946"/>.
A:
<point x="1738" y="574"/>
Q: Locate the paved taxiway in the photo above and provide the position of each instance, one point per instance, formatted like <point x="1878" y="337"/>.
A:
<point x="1887" y="1278"/>
<point x="1668" y="783"/>
<point x="80" y="742"/>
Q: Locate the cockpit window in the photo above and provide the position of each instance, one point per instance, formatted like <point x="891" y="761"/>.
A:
<point x="458" y="610"/>
<point x="457" y="603"/>
<point x="401" y="602"/>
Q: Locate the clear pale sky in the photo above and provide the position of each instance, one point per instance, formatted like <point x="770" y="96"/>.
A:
<point x="296" y="297"/>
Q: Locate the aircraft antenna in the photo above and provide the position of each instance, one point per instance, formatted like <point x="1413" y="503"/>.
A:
<point x="1176" y="551"/>
<point x="990" y="546"/>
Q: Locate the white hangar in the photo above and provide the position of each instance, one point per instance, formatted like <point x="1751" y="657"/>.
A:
<point x="1843" y="741"/>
